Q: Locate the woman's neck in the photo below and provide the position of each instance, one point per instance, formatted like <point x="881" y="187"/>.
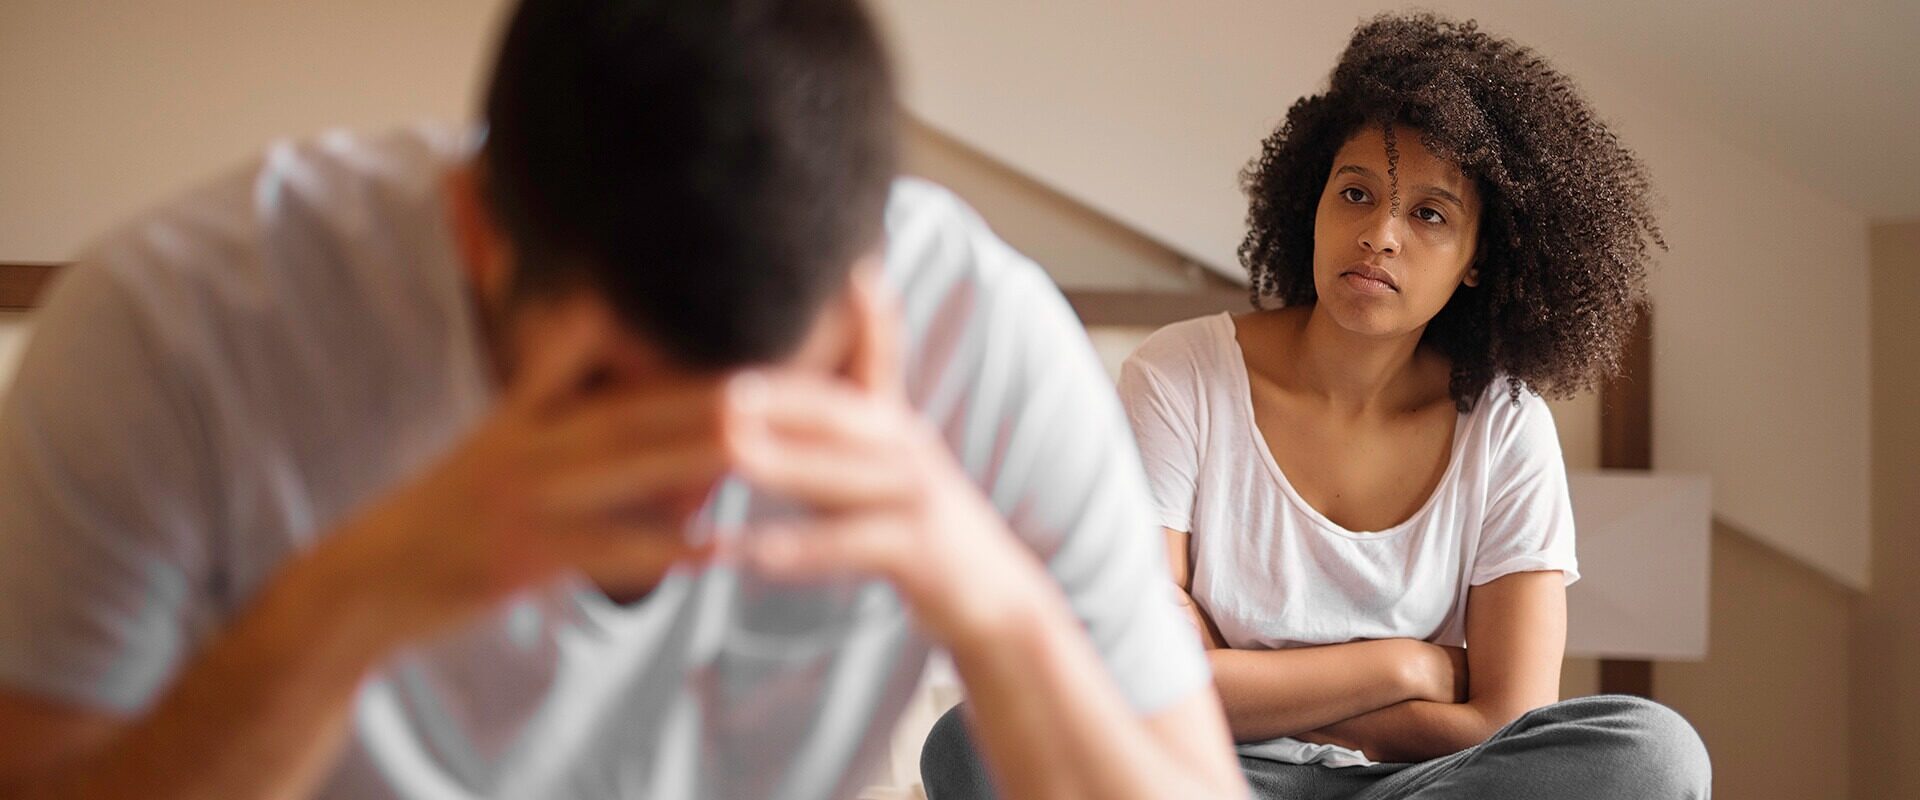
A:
<point x="1355" y="373"/>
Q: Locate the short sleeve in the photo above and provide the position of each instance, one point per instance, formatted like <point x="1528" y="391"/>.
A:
<point x="101" y="503"/>
<point x="1009" y="375"/>
<point x="1528" y="526"/>
<point x="1169" y="441"/>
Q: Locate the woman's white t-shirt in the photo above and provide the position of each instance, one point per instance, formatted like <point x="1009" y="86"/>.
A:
<point x="1272" y="572"/>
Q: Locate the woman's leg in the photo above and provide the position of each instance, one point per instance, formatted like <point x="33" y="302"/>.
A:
<point x="950" y="769"/>
<point x="1278" y="780"/>
<point x="1610" y="746"/>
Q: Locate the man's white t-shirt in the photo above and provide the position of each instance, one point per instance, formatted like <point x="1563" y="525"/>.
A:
<point x="216" y="384"/>
<point x="1272" y="572"/>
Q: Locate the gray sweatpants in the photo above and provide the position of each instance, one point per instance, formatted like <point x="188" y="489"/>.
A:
<point x="1610" y="746"/>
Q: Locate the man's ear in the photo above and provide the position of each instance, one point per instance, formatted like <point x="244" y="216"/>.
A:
<point x="484" y="250"/>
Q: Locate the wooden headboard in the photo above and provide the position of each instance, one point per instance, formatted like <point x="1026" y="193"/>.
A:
<point x="21" y="284"/>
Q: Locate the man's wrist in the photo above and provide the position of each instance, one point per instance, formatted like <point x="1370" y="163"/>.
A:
<point x="322" y="602"/>
<point x="1010" y="596"/>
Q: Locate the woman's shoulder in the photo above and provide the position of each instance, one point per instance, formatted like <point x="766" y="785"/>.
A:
<point x="1516" y="421"/>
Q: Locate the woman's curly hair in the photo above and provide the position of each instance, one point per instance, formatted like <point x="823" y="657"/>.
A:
<point x="1567" y="215"/>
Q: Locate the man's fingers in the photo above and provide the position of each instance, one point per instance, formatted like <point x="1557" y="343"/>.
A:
<point x="807" y="406"/>
<point x="877" y="363"/>
<point x="627" y="557"/>
<point x="661" y="475"/>
<point x="829" y="474"/>
<point x="811" y="551"/>
<point x="556" y="349"/>
<point x="622" y="419"/>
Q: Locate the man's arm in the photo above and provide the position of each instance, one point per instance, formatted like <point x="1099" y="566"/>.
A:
<point x="1050" y="719"/>
<point x="259" y="713"/>
<point x="890" y="500"/>
<point x="1051" y="724"/>
<point x="261" y="710"/>
<point x="1272" y="693"/>
<point x="1516" y="632"/>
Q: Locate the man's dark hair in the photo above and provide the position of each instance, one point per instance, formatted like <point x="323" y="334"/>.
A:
<point x="1567" y="221"/>
<point x="713" y="167"/>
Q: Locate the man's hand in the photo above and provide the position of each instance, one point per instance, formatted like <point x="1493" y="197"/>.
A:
<point x="885" y="494"/>
<point x="557" y="479"/>
<point x="887" y="498"/>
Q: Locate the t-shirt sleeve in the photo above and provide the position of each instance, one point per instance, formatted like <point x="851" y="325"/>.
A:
<point x="101" y="503"/>
<point x="1031" y="414"/>
<point x="1529" y="521"/>
<point x="1163" y="425"/>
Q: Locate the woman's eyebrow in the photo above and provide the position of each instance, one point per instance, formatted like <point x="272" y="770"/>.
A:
<point x="1442" y="194"/>
<point x="1355" y="169"/>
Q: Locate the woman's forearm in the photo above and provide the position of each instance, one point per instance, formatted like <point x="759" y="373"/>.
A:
<point x="1518" y="626"/>
<point x="1273" y="693"/>
<point x="1416" y="730"/>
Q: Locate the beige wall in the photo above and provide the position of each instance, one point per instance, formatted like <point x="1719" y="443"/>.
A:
<point x="1079" y="247"/>
<point x="1886" y="654"/>
<point x="107" y="107"/>
<point x="1771" y="698"/>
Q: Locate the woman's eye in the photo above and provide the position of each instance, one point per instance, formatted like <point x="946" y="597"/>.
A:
<point x="1353" y="194"/>
<point x="1426" y="214"/>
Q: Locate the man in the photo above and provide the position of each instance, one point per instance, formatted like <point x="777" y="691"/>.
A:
<point x="590" y="462"/>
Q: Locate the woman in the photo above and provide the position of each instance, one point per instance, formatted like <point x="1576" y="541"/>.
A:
<point x="1361" y="489"/>
<point x="1360" y="482"/>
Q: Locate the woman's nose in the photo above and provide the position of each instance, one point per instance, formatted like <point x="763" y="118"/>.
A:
<point x="1382" y="233"/>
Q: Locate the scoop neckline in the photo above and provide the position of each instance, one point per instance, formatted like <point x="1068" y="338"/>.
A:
<point x="1244" y="380"/>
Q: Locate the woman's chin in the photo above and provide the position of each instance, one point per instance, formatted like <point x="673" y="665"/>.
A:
<point x="1367" y="316"/>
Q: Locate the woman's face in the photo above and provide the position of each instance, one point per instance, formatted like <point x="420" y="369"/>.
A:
<point x="1390" y="246"/>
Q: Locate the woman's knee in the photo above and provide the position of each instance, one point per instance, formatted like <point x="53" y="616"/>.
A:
<point x="1648" y="738"/>
<point x="950" y="767"/>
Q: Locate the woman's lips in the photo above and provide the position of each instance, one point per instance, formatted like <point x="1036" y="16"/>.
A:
<point x="1370" y="279"/>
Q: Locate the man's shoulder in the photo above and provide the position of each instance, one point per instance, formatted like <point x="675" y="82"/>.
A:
<point x="935" y="241"/>
<point x="334" y="184"/>
<point x="325" y="219"/>
<point x="959" y="284"/>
